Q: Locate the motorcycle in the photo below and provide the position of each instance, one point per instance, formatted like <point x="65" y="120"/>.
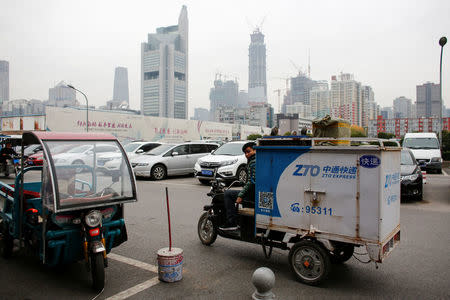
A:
<point x="214" y="216"/>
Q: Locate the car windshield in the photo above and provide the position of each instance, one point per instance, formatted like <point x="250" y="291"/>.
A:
<point x="131" y="147"/>
<point x="421" y="143"/>
<point x="407" y="158"/>
<point x="80" y="149"/>
<point x="229" y="149"/>
<point x="160" y="149"/>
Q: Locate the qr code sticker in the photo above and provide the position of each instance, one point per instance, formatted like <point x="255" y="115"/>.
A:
<point x="265" y="200"/>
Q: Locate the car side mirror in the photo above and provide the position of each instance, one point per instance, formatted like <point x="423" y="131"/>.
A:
<point x="140" y="151"/>
<point x="174" y="153"/>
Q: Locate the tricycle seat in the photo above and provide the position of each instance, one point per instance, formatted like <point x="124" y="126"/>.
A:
<point x="246" y="211"/>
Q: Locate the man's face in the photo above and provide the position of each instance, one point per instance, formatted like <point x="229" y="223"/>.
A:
<point x="249" y="151"/>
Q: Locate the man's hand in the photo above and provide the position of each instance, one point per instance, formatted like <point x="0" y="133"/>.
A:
<point x="238" y="200"/>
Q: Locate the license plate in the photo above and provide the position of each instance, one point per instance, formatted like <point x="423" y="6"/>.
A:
<point x="207" y="172"/>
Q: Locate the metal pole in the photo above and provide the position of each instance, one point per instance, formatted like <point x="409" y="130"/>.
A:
<point x="87" y="105"/>
<point x="442" y="42"/>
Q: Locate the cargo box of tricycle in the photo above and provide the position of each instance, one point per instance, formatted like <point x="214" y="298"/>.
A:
<point x="332" y="191"/>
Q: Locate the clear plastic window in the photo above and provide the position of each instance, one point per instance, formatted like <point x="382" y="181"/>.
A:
<point x="87" y="173"/>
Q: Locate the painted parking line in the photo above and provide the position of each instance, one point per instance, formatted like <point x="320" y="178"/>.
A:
<point x="133" y="262"/>
<point x="135" y="289"/>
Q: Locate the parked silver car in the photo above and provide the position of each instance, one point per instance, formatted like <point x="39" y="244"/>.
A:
<point x="170" y="159"/>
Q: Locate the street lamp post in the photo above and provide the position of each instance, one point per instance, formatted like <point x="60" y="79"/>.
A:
<point x="442" y="42"/>
<point x="87" y="105"/>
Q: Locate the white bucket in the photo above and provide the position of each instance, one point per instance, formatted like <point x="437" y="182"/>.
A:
<point x="170" y="264"/>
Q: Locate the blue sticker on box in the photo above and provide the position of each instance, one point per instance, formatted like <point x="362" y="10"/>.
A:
<point x="369" y="161"/>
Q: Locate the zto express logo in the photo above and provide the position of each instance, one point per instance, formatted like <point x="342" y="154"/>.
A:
<point x="369" y="161"/>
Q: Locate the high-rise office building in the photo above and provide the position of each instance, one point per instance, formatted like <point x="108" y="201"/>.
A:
<point x="61" y="96"/>
<point x="368" y="109"/>
<point x="4" y="81"/>
<point x="224" y="93"/>
<point x="320" y="99"/>
<point x="120" y="93"/>
<point x="164" y="71"/>
<point x="402" y="107"/>
<point x="257" y="85"/>
<point x="428" y="100"/>
<point x="301" y="85"/>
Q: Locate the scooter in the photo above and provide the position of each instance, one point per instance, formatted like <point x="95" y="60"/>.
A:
<point x="214" y="216"/>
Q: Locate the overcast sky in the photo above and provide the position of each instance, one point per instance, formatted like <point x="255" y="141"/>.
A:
<point x="389" y="45"/>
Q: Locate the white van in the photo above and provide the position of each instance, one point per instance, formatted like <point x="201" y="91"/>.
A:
<point x="426" y="150"/>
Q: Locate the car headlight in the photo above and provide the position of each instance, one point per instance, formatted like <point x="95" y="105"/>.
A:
<point x="142" y="164"/>
<point x="436" y="159"/>
<point x="93" y="218"/>
<point x="229" y="162"/>
<point x="411" y="177"/>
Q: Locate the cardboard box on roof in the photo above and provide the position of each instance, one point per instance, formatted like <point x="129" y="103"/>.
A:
<point x="328" y="127"/>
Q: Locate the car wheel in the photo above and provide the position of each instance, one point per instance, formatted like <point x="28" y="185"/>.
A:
<point x="158" y="172"/>
<point x="419" y="196"/>
<point x="241" y="174"/>
<point x="309" y="261"/>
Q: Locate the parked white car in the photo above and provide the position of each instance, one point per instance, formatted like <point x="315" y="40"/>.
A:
<point x="228" y="159"/>
<point x="110" y="162"/>
<point x="83" y="154"/>
<point x="170" y="159"/>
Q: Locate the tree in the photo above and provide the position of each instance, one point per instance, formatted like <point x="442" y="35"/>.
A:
<point x="253" y="136"/>
<point x="385" y="135"/>
<point x="287" y="133"/>
<point x="445" y="145"/>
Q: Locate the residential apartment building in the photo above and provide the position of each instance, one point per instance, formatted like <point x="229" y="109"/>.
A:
<point x="302" y="110"/>
<point x="400" y="126"/>
<point x="345" y="95"/>
<point x="201" y="114"/>
<point x="164" y="71"/>
<point x="22" y="107"/>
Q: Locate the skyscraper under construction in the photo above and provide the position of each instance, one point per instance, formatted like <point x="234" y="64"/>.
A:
<point x="257" y="84"/>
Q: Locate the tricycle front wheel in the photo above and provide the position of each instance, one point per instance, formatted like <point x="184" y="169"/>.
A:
<point x="206" y="231"/>
<point x="98" y="271"/>
<point x="309" y="261"/>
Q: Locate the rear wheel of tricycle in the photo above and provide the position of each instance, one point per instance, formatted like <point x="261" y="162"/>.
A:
<point x="6" y="241"/>
<point x="342" y="253"/>
<point x="309" y="261"/>
<point x="206" y="231"/>
<point x="98" y="271"/>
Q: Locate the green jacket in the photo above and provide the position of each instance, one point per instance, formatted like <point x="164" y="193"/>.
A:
<point x="249" y="188"/>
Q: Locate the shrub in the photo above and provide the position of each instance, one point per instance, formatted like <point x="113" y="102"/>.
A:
<point x="253" y="137"/>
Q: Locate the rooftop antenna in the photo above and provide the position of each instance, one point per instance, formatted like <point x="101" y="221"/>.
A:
<point x="309" y="63"/>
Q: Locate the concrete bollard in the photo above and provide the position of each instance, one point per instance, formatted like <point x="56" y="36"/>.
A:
<point x="264" y="280"/>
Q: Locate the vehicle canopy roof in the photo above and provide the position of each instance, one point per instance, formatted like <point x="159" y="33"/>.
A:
<point x="35" y="137"/>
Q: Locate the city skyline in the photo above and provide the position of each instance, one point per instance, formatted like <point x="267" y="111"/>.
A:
<point x="392" y="50"/>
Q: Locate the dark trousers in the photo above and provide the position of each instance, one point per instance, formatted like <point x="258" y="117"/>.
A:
<point x="230" y="205"/>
